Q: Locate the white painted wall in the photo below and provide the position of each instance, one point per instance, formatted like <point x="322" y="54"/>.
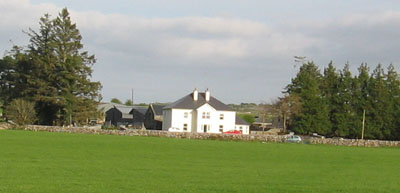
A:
<point x="178" y="119"/>
<point x="214" y="121"/>
<point x="175" y="118"/>
<point x="244" y="128"/>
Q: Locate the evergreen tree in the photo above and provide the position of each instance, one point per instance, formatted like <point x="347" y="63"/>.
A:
<point x="73" y="69"/>
<point x="380" y="110"/>
<point x="361" y="97"/>
<point x="346" y="120"/>
<point x="393" y="88"/>
<point x="314" y="115"/>
<point x="46" y="93"/>
<point x="330" y="90"/>
<point x="54" y="73"/>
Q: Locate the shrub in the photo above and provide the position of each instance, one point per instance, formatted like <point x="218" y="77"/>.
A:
<point x="21" y="112"/>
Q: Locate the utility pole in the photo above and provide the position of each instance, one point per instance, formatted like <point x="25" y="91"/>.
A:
<point x="132" y="96"/>
<point x="363" y="125"/>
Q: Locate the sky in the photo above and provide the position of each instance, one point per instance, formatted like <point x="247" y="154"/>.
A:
<point x="241" y="50"/>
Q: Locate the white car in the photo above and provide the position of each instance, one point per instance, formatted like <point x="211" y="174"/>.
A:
<point x="174" y="129"/>
<point x="294" y="139"/>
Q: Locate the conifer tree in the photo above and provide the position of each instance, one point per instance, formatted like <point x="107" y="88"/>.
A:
<point x="314" y="115"/>
<point x="330" y="90"/>
<point x="393" y="88"/>
<point x="53" y="72"/>
<point x="346" y="120"/>
<point x="380" y="108"/>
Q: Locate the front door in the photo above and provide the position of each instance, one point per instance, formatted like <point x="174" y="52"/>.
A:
<point x="206" y="128"/>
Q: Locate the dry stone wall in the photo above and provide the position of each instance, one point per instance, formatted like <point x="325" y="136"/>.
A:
<point x="227" y="137"/>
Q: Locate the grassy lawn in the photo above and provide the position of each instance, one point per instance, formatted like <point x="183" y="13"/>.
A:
<point x="60" y="162"/>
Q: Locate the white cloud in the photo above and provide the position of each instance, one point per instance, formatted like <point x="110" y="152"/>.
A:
<point x="156" y="55"/>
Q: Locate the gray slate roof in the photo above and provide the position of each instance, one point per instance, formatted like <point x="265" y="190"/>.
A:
<point x="240" y="121"/>
<point x="187" y="102"/>
<point x="158" y="109"/>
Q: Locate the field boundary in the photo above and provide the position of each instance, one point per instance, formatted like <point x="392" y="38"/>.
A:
<point x="212" y="136"/>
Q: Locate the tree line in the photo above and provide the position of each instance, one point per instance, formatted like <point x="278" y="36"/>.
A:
<point x="333" y="102"/>
<point x="52" y="74"/>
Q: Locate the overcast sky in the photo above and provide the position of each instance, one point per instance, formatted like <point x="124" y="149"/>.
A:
<point x="242" y="50"/>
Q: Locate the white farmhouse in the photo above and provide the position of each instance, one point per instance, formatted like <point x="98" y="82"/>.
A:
<point x="202" y="113"/>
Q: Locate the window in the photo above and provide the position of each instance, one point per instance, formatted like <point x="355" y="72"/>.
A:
<point x="206" y="115"/>
<point x="185" y="115"/>
<point x="221" y="116"/>
<point x="221" y="128"/>
<point x="185" y="127"/>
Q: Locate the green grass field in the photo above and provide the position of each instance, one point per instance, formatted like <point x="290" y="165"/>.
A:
<point x="61" y="162"/>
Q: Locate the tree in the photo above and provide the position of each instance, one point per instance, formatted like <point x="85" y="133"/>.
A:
<point x="129" y="102"/>
<point x="247" y="117"/>
<point x="21" y="112"/>
<point x="53" y="72"/>
<point x="288" y="106"/>
<point x="381" y="111"/>
<point x="314" y="115"/>
<point x="393" y="88"/>
<point x="330" y="91"/>
<point x="346" y="122"/>
<point x="115" y="100"/>
<point x="361" y="101"/>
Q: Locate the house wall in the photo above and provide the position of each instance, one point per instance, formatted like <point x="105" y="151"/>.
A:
<point x="167" y="122"/>
<point x="138" y="118"/>
<point x="244" y="128"/>
<point x="214" y="122"/>
<point x="149" y="119"/>
<point x="178" y="119"/>
<point x="114" y="117"/>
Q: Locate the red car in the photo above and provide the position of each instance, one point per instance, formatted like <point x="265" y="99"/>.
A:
<point x="233" y="132"/>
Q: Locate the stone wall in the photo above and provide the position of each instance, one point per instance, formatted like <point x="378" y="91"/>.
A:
<point x="227" y="137"/>
<point x="5" y="125"/>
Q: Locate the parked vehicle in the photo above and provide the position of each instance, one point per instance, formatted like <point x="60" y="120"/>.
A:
<point x="174" y="129"/>
<point x="233" y="132"/>
<point x="318" y="136"/>
<point x="294" y="139"/>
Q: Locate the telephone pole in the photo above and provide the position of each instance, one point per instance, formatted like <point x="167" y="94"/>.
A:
<point x="132" y="96"/>
<point x="363" y="125"/>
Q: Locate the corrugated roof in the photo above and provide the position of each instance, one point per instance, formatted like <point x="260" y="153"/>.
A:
<point x="187" y="102"/>
<point x="105" y="106"/>
<point x="240" y="121"/>
<point x="141" y="109"/>
<point x="124" y="110"/>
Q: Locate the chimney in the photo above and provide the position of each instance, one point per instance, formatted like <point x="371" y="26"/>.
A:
<point x="195" y="94"/>
<point x="207" y="95"/>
